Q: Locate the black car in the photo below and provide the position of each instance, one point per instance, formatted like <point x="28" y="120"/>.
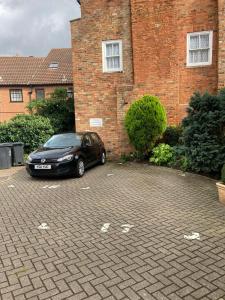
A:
<point x="67" y="154"/>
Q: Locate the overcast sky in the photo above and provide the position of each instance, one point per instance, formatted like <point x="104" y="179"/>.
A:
<point x="33" y="27"/>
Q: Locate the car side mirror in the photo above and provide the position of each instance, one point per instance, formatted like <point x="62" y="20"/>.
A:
<point x="86" y="144"/>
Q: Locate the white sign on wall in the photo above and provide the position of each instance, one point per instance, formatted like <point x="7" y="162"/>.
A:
<point x="96" y="122"/>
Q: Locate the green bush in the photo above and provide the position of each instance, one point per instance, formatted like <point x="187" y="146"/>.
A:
<point x="180" y="160"/>
<point x="172" y="135"/>
<point x="57" y="108"/>
<point x="162" y="155"/>
<point x="145" y="122"/>
<point x="204" y="132"/>
<point x="223" y="174"/>
<point x="30" y="130"/>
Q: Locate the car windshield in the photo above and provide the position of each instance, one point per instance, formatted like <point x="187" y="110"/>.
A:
<point x="63" y="141"/>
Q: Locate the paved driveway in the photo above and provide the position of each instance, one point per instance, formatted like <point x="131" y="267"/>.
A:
<point x="116" y="233"/>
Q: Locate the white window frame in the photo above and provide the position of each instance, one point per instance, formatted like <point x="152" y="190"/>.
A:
<point x="104" y="61"/>
<point x="199" y="64"/>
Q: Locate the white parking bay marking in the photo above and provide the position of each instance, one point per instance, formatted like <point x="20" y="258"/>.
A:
<point x="86" y="188"/>
<point x="11" y="186"/>
<point x="126" y="228"/>
<point x="193" y="236"/>
<point x="43" y="226"/>
<point x="51" y="186"/>
<point x="110" y="175"/>
<point x="105" y="227"/>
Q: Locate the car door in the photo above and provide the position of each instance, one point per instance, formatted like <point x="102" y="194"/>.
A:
<point x="88" y="149"/>
<point x="96" y="146"/>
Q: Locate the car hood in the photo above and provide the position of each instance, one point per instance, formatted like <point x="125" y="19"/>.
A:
<point x="52" y="153"/>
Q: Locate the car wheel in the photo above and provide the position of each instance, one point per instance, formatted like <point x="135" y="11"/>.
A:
<point x="80" y="168"/>
<point x="103" y="158"/>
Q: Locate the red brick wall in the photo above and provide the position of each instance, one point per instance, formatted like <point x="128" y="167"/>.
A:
<point x="159" y="50"/>
<point x="95" y="91"/>
<point x="221" y="58"/>
<point x="154" y="35"/>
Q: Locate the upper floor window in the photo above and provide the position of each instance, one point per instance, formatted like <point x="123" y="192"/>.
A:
<point x="54" y="65"/>
<point x="40" y="93"/>
<point x="112" y="56"/>
<point x="199" y="48"/>
<point x="16" y="95"/>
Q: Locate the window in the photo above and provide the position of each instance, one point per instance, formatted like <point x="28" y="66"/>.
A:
<point x="199" y="48"/>
<point x="40" y="93"/>
<point x="112" y="56"/>
<point x="87" y="141"/>
<point x="53" y="65"/>
<point x="70" y="92"/>
<point x="95" y="138"/>
<point x="16" y="95"/>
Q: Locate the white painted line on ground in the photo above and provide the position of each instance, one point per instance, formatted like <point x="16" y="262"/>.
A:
<point x="110" y="175"/>
<point x="126" y="228"/>
<point x="11" y="186"/>
<point x="86" y="188"/>
<point x="193" y="236"/>
<point x="43" y="226"/>
<point x="51" y="186"/>
<point x="54" y="186"/>
<point x="105" y="227"/>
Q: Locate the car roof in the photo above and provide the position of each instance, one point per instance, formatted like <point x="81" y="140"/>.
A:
<point x="79" y="133"/>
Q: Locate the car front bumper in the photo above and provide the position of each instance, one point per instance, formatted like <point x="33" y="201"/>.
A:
<point x="57" y="169"/>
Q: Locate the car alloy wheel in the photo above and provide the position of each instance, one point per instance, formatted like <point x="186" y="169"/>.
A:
<point x="80" y="168"/>
<point x="103" y="158"/>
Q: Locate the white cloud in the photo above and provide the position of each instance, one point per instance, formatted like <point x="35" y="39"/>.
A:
<point x="34" y="27"/>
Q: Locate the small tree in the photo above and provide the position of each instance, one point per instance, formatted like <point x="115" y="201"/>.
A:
<point x="145" y="122"/>
<point x="58" y="108"/>
<point x="204" y="132"/>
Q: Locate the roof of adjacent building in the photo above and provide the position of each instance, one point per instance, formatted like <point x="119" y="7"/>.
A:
<point x="56" y="68"/>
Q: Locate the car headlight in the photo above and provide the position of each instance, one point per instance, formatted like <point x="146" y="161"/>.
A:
<point x="65" y="158"/>
<point x="29" y="159"/>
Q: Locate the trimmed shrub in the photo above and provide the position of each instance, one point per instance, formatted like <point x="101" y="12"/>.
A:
<point x="204" y="133"/>
<point x="30" y="130"/>
<point x="162" y="155"/>
<point x="145" y="122"/>
<point x="57" y="108"/>
<point x="223" y="174"/>
<point x="172" y="135"/>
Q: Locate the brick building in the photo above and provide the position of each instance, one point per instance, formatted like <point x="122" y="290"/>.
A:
<point x="124" y="49"/>
<point x="23" y="79"/>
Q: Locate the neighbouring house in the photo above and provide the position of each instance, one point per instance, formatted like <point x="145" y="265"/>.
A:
<point x="124" y="49"/>
<point x="23" y="79"/>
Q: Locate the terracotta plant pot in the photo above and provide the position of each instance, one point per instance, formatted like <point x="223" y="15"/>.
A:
<point x="221" y="192"/>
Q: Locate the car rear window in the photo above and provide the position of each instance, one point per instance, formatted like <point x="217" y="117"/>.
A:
<point x="64" y="141"/>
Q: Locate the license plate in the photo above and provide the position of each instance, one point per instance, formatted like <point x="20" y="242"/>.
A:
<point x="42" y="167"/>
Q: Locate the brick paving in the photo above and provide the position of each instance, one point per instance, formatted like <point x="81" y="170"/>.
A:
<point x="74" y="259"/>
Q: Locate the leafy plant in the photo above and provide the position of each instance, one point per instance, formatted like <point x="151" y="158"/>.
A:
<point x="30" y="130"/>
<point x="180" y="159"/>
<point x="223" y="174"/>
<point x="162" y="154"/>
<point x="145" y="122"/>
<point x="132" y="156"/>
<point x="204" y="132"/>
<point x="172" y="135"/>
<point x="58" y="108"/>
